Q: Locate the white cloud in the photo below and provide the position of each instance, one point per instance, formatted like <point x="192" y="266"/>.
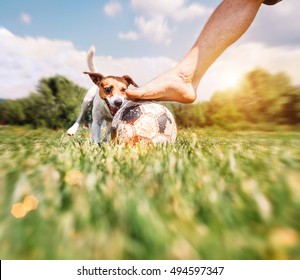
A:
<point x="4" y="33"/>
<point x="151" y="7"/>
<point x="155" y="29"/>
<point x="191" y="12"/>
<point x="155" y="20"/>
<point x="25" y="18"/>
<point x="112" y="8"/>
<point x="24" y="61"/>
<point x="131" y="35"/>
<point x="178" y="10"/>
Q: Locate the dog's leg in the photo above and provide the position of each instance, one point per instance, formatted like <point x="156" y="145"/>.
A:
<point x="96" y="131"/>
<point x="107" y="131"/>
<point x="87" y="101"/>
<point x="73" y="129"/>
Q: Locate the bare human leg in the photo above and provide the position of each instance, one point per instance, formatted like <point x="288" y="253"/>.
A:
<point x="226" y="25"/>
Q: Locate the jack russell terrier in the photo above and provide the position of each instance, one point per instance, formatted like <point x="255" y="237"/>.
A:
<point x="107" y="95"/>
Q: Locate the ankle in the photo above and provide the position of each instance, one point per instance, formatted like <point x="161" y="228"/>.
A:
<point x="187" y="71"/>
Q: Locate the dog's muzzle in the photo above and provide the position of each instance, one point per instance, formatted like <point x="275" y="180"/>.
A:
<point x="112" y="109"/>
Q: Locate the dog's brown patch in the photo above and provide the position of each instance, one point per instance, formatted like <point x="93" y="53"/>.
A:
<point x="111" y="85"/>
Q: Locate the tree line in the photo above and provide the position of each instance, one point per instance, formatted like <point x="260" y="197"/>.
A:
<point x="54" y="105"/>
<point x="261" y="99"/>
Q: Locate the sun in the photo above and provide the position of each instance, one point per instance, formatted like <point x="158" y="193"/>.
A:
<point x="231" y="79"/>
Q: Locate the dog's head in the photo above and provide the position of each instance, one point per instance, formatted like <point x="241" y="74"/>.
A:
<point x="112" y="89"/>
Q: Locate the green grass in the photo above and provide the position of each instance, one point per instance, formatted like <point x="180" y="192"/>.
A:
<point x="211" y="195"/>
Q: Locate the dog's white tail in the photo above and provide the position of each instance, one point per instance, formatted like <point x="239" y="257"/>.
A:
<point x="90" y="59"/>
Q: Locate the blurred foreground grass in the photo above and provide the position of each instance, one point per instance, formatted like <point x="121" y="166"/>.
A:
<point x="212" y="195"/>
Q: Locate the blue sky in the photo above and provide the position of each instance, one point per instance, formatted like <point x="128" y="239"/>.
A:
<point x="86" y="23"/>
<point x="138" y="37"/>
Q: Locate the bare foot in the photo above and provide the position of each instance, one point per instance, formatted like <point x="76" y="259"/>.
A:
<point x="171" y="86"/>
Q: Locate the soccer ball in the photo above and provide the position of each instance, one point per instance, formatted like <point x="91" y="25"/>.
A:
<point x="144" y="121"/>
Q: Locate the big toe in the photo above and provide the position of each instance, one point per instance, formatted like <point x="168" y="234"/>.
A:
<point x="133" y="94"/>
<point x="138" y="94"/>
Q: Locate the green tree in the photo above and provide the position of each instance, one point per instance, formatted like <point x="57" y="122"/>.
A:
<point x="222" y="109"/>
<point x="261" y="95"/>
<point x="190" y="115"/>
<point x="55" y="105"/>
<point x="57" y="102"/>
<point x="291" y="108"/>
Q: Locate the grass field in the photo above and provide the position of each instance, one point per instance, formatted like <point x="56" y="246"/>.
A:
<point x="212" y="195"/>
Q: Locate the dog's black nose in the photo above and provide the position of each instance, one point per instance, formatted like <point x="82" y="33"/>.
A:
<point x="118" y="102"/>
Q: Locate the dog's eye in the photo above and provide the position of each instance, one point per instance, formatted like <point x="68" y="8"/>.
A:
<point x="123" y="89"/>
<point x="108" y="89"/>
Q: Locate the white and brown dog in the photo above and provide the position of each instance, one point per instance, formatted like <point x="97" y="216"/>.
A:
<point x="107" y="96"/>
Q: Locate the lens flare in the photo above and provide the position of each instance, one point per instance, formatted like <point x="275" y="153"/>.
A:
<point x="21" y="209"/>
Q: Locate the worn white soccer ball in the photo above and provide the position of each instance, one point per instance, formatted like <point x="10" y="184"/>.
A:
<point x="144" y="121"/>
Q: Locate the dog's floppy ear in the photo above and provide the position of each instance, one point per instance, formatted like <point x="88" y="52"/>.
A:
<point x="129" y="80"/>
<point x="95" y="77"/>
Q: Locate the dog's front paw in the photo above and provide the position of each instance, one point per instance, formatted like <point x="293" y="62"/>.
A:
<point x="72" y="130"/>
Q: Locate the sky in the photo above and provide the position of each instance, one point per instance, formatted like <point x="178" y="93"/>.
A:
<point x="141" y="38"/>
